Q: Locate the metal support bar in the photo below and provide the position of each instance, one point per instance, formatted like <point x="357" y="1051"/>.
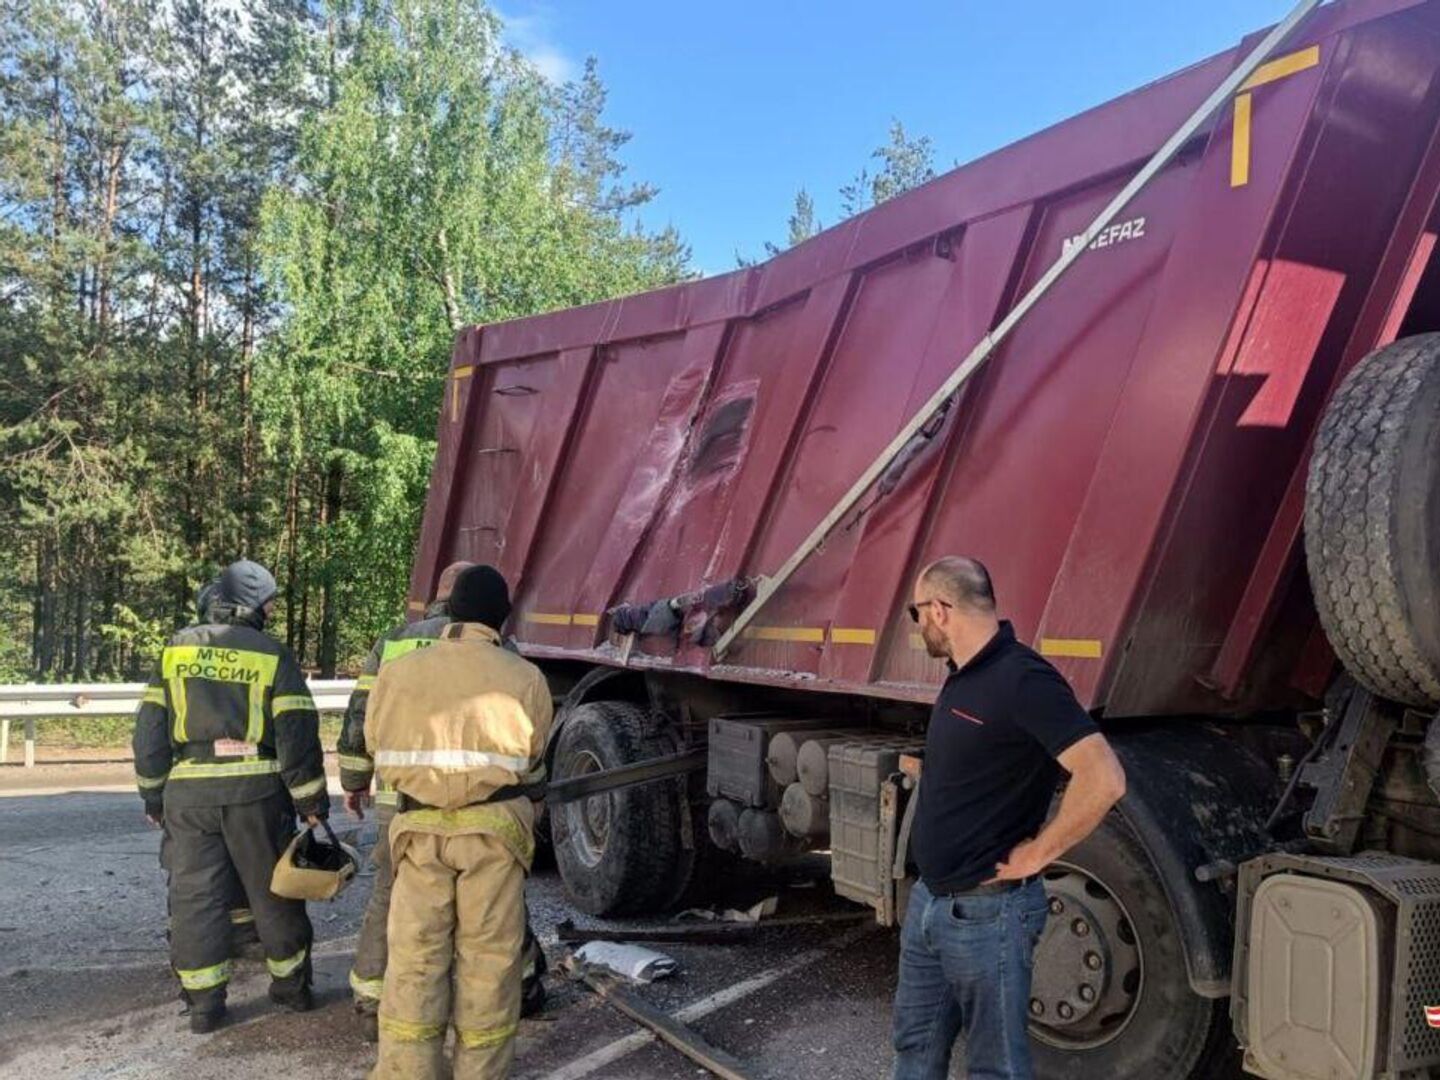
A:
<point x="670" y="1030"/>
<point x="642" y="772"/>
<point x="1344" y="776"/>
<point x="768" y="586"/>
<point x="704" y="933"/>
<point x="29" y="742"/>
<point x="5" y="741"/>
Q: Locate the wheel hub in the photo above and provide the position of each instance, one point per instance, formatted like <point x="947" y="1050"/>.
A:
<point x="588" y="820"/>
<point x="1088" y="971"/>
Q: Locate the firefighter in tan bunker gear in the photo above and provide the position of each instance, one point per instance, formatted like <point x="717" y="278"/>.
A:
<point x="456" y="728"/>
<point x="357" y="771"/>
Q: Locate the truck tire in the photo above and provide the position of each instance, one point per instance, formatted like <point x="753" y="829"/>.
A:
<point x="1107" y="901"/>
<point x="1372" y="521"/>
<point x="619" y="853"/>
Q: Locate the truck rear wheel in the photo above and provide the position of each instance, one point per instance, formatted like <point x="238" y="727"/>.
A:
<point x="1372" y="521"/>
<point x="1109" y="993"/>
<point x="620" y="852"/>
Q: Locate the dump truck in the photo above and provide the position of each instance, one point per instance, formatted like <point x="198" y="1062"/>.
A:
<point x="1202" y="464"/>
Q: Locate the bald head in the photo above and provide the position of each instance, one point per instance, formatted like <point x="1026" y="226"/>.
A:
<point x="963" y="583"/>
<point x="955" y="607"/>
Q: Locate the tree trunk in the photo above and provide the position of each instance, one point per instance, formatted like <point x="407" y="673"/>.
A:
<point x="292" y="520"/>
<point x="329" y="616"/>
<point x="107" y="229"/>
<point x="80" y="670"/>
<point x="447" y="283"/>
<point x="304" y="642"/>
<point x="247" y="417"/>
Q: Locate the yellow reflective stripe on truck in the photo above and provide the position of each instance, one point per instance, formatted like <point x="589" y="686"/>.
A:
<point x="1074" y="648"/>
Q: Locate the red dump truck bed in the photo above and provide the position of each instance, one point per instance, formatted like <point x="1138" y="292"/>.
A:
<point x="1129" y="465"/>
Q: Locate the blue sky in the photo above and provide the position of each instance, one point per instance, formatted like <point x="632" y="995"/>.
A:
<point x="734" y="106"/>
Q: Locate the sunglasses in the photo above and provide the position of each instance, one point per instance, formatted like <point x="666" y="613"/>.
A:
<point x="914" y="609"/>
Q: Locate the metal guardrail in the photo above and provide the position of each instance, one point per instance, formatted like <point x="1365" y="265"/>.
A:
<point x="33" y="702"/>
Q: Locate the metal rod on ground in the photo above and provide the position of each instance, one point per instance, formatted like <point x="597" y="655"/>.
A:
<point x="988" y="344"/>
<point x="668" y="1029"/>
<point x="704" y="933"/>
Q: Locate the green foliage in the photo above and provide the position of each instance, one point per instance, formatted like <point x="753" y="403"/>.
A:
<point x="234" y="252"/>
<point x="905" y="163"/>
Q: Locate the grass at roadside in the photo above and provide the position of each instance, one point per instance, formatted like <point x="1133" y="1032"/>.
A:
<point x="113" y="732"/>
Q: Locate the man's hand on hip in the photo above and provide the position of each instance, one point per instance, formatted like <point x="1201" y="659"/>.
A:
<point x="1025" y="860"/>
<point x="1097" y="782"/>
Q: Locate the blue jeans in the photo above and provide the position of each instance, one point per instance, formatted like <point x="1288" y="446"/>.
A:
<point x="965" y="967"/>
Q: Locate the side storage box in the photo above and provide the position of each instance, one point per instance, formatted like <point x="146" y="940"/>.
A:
<point x="736" y="767"/>
<point x="857" y="771"/>
<point x="1337" y="967"/>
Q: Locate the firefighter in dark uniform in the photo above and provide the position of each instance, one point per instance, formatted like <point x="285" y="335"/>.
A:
<point x="227" y="751"/>
<point x="357" y="769"/>
<point x="244" y="941"/>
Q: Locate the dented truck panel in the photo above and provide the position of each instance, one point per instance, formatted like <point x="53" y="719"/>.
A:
<point x="1127" y="464"/>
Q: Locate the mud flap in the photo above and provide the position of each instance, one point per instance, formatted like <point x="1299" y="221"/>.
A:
<point x="1196" y="795"/>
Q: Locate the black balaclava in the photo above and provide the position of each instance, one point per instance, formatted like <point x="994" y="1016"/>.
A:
<point x="480" y="595"/>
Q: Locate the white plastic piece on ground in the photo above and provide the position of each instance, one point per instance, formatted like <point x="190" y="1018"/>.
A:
<point x="631" y="962"/>
<point x="753" y="914"/>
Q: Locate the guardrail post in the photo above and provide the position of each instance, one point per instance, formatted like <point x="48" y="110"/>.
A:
<point x="29" y="742"/>
<point x="4" y="742"/>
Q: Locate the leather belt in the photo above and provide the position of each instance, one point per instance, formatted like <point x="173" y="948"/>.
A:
<point x="993" y="889"/>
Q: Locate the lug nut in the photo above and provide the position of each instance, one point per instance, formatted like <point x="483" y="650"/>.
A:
<point x="1065" y="1010"/>
<point x="1056" y="905"/>
<point x="1037" y="1007"/>
<point x="1093" y="961"/>
<point x="1080" y="928"/>
<point x="1087" y="992"/>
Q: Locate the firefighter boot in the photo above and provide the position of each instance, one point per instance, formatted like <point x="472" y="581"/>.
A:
<point x="532" y="985"/>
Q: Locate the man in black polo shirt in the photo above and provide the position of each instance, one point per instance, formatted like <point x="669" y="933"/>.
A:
<point x="1004" y="727"/>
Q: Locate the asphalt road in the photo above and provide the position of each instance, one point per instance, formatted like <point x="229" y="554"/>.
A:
<point x="85" y="990"/>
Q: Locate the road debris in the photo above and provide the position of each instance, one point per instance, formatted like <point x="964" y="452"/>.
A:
<point x="753" y="914"/>
<point x="712" y="933"/>
<point x="672" y="1031"/>
<point x="630" y="962"/>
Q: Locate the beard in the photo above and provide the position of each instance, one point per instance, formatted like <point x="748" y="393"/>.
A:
<point x="935" y="643"/>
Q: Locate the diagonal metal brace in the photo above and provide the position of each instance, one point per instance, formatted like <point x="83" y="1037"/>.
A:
<point x="770" y="585"/>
